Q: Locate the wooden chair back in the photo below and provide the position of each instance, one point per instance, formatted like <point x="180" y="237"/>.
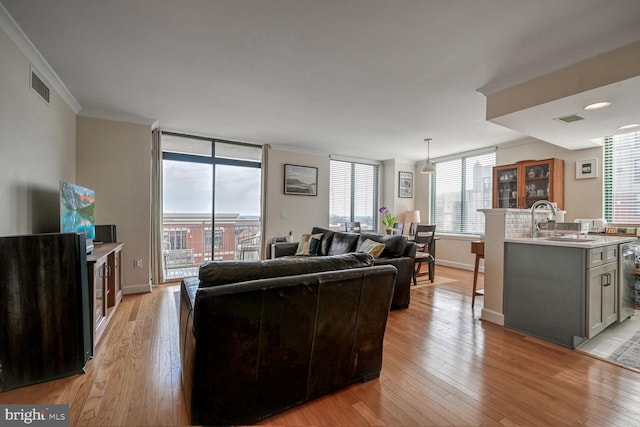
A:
<point x="352" y="227"/>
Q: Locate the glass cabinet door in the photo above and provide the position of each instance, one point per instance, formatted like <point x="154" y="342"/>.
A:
<point x="507" y="188"/>
<point x="536" y="183"/>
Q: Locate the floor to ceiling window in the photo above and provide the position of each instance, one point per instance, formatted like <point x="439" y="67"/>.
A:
<point x="211" y="202"/>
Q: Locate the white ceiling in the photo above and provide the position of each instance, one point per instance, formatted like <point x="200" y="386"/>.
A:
<point x="363" y="78"/>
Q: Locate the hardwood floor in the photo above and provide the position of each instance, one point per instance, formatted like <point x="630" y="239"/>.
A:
<point x="442" y="366"/>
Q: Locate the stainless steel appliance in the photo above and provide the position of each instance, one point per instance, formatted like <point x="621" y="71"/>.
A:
<point x="627" y="271"/>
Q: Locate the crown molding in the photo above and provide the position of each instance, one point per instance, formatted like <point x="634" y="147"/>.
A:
<point x="119" y="117"/>
<point x="28" y="49"/>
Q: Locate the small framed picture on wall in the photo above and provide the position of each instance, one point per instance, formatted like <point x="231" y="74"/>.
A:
<point x="405" y="185"/>
<point x="587" y="168"/>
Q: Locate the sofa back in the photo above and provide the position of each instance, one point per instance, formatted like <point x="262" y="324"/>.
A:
<point x="338" y="242"/>
<point x="252" y="349"/>
<point x="216" y="273"/>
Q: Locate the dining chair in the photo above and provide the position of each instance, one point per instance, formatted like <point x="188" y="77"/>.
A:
<point x="398" y="228"/>
<point x="352" y="227"/>
<point x="424" y="238"/>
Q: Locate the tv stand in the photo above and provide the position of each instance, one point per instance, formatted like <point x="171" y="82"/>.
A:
<point x="105" y="284"/>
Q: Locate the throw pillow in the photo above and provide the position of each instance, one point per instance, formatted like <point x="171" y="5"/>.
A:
<point x="309" y="244"/>
<point x="372" y="248"/>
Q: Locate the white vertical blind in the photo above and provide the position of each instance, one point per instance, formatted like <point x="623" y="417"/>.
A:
<point x="462" y="186"/>
<point x="354" y="194"/>
<point x="478" y="189"/>
<point x="622" y="178"/>
<point x="340" y="193"/>
<point x="447" y="205"/>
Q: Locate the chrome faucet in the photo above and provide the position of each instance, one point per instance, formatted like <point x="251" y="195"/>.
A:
<point x="534" y="226"/>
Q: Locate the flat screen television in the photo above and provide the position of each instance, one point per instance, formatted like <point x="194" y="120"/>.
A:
<point x="77" y="211"/>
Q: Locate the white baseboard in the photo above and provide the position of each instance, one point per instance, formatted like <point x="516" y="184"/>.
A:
<point x="459" y="265"/>
<point x="136" y="289"/>
<point x="492" y="316"/>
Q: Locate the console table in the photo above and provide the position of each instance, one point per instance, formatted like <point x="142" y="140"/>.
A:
<point x="105" y="284"/>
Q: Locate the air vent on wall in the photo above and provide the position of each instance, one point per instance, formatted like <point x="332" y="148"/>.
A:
<point x="39" y="86"/>
<point x="570" y="118"/>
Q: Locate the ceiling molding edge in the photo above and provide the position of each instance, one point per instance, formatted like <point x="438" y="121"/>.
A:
<point x="119" y="117"/>
<point x="28" y="49"/>
<point x="300" y="150"/>
<point x="534" y="71"/>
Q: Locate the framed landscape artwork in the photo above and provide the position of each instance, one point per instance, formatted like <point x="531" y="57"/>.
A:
<point x="300" y="180"/>
<point x="405" y="185"/>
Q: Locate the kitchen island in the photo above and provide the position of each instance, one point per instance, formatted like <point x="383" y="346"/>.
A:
<point x="564" y="290"/>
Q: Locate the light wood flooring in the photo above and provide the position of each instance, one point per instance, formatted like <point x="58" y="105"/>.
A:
<point x="442" y="366"/>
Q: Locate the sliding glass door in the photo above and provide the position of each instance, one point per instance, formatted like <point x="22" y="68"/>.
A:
<point x="211" y="202"/>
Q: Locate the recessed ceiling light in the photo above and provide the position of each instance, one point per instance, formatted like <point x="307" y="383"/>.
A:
<point x="630" y="126"/>
<point x="597" y="105"/>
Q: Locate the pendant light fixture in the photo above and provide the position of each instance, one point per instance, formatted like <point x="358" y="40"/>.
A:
<point x="428" y="166"/>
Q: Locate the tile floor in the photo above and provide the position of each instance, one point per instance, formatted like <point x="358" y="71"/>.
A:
<point x="606" y="342"/>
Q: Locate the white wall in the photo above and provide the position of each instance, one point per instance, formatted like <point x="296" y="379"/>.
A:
<point x="284" y="212"/>
<point x="390" y="176"/>
<point x="37" y="149"/>
<point x="114" y="159"/>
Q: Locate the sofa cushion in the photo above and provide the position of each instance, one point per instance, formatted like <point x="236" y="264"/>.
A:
<point x="342" y="243"/>
<point x="309" y="244"/>
<point x="215" y="273"/>
<point x="394" y="245"/>
<point x="325" y="241"/>
<point x="371" y="247"/>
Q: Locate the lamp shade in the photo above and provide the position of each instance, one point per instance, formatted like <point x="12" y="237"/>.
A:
<point x="428" y="167"/>
<point x="412" y="217"/>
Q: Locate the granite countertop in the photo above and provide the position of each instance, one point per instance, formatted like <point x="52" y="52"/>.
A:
<point x="589" y="241"/>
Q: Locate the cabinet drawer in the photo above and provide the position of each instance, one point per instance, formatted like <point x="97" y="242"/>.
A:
<point x="602" y="255"/>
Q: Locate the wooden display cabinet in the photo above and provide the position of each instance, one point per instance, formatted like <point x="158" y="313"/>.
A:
<point x="522" y="184"/>
<point x="105" y="283"/>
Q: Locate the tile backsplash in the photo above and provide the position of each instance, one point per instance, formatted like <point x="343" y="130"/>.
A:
<point x="518" y="222"/>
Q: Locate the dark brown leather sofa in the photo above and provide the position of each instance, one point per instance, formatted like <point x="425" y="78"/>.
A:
<point x="398" y="252"/>
<point x="258" y="337"/>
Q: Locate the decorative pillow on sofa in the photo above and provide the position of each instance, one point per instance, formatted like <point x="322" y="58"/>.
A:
<point x="309" y="244"/>
<point x="372" y="248"/>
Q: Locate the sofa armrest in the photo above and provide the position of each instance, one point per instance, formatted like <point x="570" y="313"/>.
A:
<point x="283" y="249"/>
<point x="410" y="250"/>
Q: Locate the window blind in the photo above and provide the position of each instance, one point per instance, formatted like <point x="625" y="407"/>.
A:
<point x="622" y="178"/>
<point x="354" y="194"/>
<point x="461" y="187"/>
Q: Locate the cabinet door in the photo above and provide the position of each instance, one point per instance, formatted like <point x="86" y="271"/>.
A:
<point x="536" y="176"/>
<point x="543" y="180"/>
<point x="602" y="297"/>
<point x="505" y="186"/>
<point x="99" y="305"/>
<point x="610" y="294"/>
<point x="117" y="274"/>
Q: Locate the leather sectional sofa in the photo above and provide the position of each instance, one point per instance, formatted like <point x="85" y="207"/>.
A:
<point x="258" y="337"/>
<point x="398" y="252"/>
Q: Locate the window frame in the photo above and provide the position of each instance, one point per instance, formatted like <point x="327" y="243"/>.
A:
<point x="610" y="190"/>
<point x="487" y="190"/>
<point x="353" y="191"/>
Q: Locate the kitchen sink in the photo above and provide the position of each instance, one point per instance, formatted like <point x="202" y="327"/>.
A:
<point x="570" y="239"/>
